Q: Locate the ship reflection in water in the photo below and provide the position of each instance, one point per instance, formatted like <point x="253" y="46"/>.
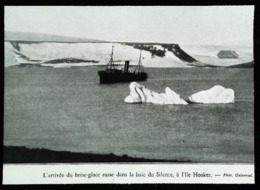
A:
<point x="114" y="75"/>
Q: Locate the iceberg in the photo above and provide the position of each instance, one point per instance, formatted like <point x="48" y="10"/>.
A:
<point x="215" y="95"/>
<point x="141" y="94"/>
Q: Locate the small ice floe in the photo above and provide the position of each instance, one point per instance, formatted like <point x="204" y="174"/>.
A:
<point x="141" y="94"/>
<point x="215" y="95"/>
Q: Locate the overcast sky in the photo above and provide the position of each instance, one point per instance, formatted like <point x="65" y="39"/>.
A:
<point x="183" y="25"/>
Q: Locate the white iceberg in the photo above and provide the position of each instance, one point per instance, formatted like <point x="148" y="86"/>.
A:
<point x="215" y="95"/>
<point x="141" y="94"/>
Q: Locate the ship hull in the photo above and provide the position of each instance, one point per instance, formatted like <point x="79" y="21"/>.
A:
<point x="117" y="77"/>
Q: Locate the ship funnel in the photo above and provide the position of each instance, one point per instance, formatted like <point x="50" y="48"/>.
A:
<point x="126" y="66"/>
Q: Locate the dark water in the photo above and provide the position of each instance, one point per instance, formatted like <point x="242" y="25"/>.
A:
<point x="67" y="109"/>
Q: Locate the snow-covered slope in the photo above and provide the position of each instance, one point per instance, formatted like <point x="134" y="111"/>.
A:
<point x="98" y="53"/>
<point x="89" y="53"/>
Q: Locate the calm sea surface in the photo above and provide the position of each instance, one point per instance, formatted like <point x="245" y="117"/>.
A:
<point x="67" y="109"/>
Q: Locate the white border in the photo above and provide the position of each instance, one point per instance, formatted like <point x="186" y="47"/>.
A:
<point x="210" y="173"/>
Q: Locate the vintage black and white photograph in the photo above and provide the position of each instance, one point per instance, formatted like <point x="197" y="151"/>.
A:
<point x="128" y="84"/>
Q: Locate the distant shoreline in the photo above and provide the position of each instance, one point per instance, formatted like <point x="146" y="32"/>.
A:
<point x="248" y="65"/>
<point x="21" y="154"/>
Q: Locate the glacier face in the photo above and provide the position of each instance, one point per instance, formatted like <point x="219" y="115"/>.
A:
<point x="207" y="55"/>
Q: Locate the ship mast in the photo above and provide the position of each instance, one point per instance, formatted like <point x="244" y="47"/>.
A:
<point x="139" y="66"/>
<point x="110" y="65"/>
